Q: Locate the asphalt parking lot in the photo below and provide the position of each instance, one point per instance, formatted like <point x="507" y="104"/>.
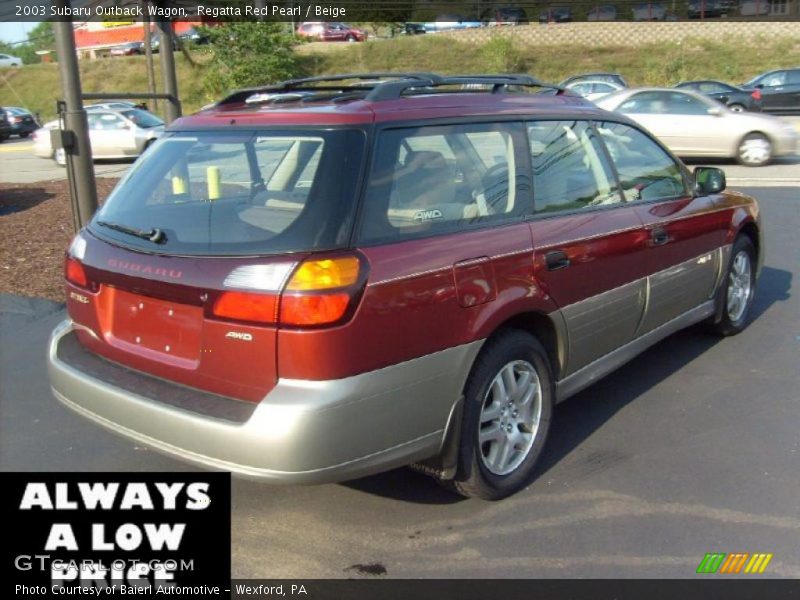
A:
<point x="691" y="448"/>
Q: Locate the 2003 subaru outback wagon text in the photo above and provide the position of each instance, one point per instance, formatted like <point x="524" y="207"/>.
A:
<point x="319" y="280"/>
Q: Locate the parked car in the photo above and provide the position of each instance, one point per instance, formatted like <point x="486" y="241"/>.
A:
<point x="227" y="307"/>
<point x="112" y="134"/>
<point x="20" y="121"/>
<point x="113" y="105"/>
<point x="331" y="32"/>
<point x="506" y="15"/>
<point x="737" y="99"/>
<point x="129" y="49"/>
<point x="593" y="89"/>
<point x="5" y="127"/>
<point x="6" y="60"/>
<point x="754" y="8"/>
<point x="649" y="12"/>
<point x="555" y="14"/>
<point x="606" y="12"/>
<point x="706" y="9"/>
<point x="413" y="28"/>
<point x="780" y="90"/>
<point x="612" y="78"/>
<point x="450" y="22"/>
<point x="692" y="125"/>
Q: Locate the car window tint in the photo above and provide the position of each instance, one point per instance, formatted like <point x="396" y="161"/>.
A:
<point x="569" y="169"/>
<point x="793" y="77"/>
<point x="684" y="104"/>
<point x="774" y="79"/>
<point x="440" y="179"/>
<point x="244" y="192"/>
<point x="646" y="171"/>
<point x="645" y="103"/>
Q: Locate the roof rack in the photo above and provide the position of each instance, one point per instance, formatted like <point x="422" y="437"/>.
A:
<point x="374" y="87"/>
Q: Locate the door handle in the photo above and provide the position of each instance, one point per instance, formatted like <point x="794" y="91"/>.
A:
<point x="659" y="237"/>
<point x="556" y="260"/>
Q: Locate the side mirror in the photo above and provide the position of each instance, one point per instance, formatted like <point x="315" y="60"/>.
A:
<point x="709" y="180"/>
<point x="760" y="86"/>
<point x="715" y="112"/>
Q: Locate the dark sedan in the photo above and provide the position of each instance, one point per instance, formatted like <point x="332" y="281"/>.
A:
<point x="780" y="90"/>
<point x="735" y="98"/>
<point x="20" y="121"/>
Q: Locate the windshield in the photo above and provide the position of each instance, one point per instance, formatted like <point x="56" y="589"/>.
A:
<point x="241" y="193"/>
<point x="142" y="118"/>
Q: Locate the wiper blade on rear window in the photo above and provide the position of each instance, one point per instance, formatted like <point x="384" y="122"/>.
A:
<point x="154" y="235"/>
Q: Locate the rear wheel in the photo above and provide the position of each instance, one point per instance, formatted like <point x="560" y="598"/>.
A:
<point x="507" y="412"/>
<point x="24" y="135"/>
<point x="738" y="288"/>
<point x="737" y="107"/>
<point x="60" y="156"/>
<point x="754" y="150"/>
<point x="350" y="38"/>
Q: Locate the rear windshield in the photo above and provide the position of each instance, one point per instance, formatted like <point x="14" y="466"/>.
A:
<point x="240" y="193"/>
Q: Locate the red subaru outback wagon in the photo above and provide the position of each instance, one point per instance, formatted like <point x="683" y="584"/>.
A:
<point x="330" y="277"/>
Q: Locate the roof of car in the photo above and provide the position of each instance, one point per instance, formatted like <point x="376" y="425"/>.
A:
<point x="403" y="98"/>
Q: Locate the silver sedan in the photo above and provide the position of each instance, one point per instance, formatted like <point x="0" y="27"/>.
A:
<point x="692" y="125"/>
<point x="112" y="134"/>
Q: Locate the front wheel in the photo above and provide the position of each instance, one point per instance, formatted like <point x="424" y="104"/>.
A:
<point x="60" y="156"/>
<point x="737" y="107"/>
<point x="737" y="289"/>
<point x="350" y="38"/>
<point x="508" y="405"/>
<point x="754" y="150"/>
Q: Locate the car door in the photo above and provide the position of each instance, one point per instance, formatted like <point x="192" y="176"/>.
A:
<point x="443" y="228"/>
<point x="684" y="232"/>
<point x="681" y="121"/>
<point x="775" y="93"/>
<point x="110" y="134"/>
<point x="588" y="244"/>
<point x="793" y="90"/>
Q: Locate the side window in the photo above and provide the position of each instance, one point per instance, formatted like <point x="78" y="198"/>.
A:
<point x="442" y="178"/>
<point x="569" y="169"/>
<point x="774" y="79"/>
<point x="683" y="104"/>
<point x="793" y="77"/>
<point x="644" y="103"/>
<point x="646" y="171"/>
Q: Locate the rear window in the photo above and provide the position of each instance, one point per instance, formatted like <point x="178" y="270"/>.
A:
<point x="248" y="192"/>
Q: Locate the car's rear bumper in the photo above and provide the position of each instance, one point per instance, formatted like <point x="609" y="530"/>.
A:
<point x="301" y="432"/>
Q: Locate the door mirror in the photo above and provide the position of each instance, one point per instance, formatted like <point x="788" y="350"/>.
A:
<point x="715" y="112"/>
<point x="709" y="180"/>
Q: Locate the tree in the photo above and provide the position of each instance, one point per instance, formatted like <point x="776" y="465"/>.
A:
<point x="248" y="54"/>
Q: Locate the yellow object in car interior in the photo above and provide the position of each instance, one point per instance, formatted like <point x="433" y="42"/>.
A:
<point x="213" y="179"/>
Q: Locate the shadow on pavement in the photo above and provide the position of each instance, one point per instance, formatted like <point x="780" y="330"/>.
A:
<point x="576" y="419"/>
<point x="14" y="200"/>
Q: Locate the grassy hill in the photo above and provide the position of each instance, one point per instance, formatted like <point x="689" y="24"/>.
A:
<point x="38" y="86"/>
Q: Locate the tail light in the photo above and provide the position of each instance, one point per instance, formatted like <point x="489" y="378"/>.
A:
<point x="319" y="292"/>
<point x="74" y="273"/>
<point x="756" y="95"/>
<point x="73" y="268"/>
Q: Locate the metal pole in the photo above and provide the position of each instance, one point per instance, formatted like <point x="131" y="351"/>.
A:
<point x="168" y="70"/>
<point x="79" y="154"/>
<point x="148" y="53"/>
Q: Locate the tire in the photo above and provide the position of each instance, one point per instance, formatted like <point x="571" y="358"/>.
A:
<point x="504" y="462"/>
<point x="24" y="135"/>
<point x="735" y="296"/>
<point x="60" y="156"/>
<point x="350" y="38"/>
<point x="737" y="107"/>
<point x="755" y="150"/>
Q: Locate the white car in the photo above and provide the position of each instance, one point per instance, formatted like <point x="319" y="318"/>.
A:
<point x="693" y="125"/>
<point x="112" y="134"/>
<point x="593" y="89"/>
<point x="6" y="60"/>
